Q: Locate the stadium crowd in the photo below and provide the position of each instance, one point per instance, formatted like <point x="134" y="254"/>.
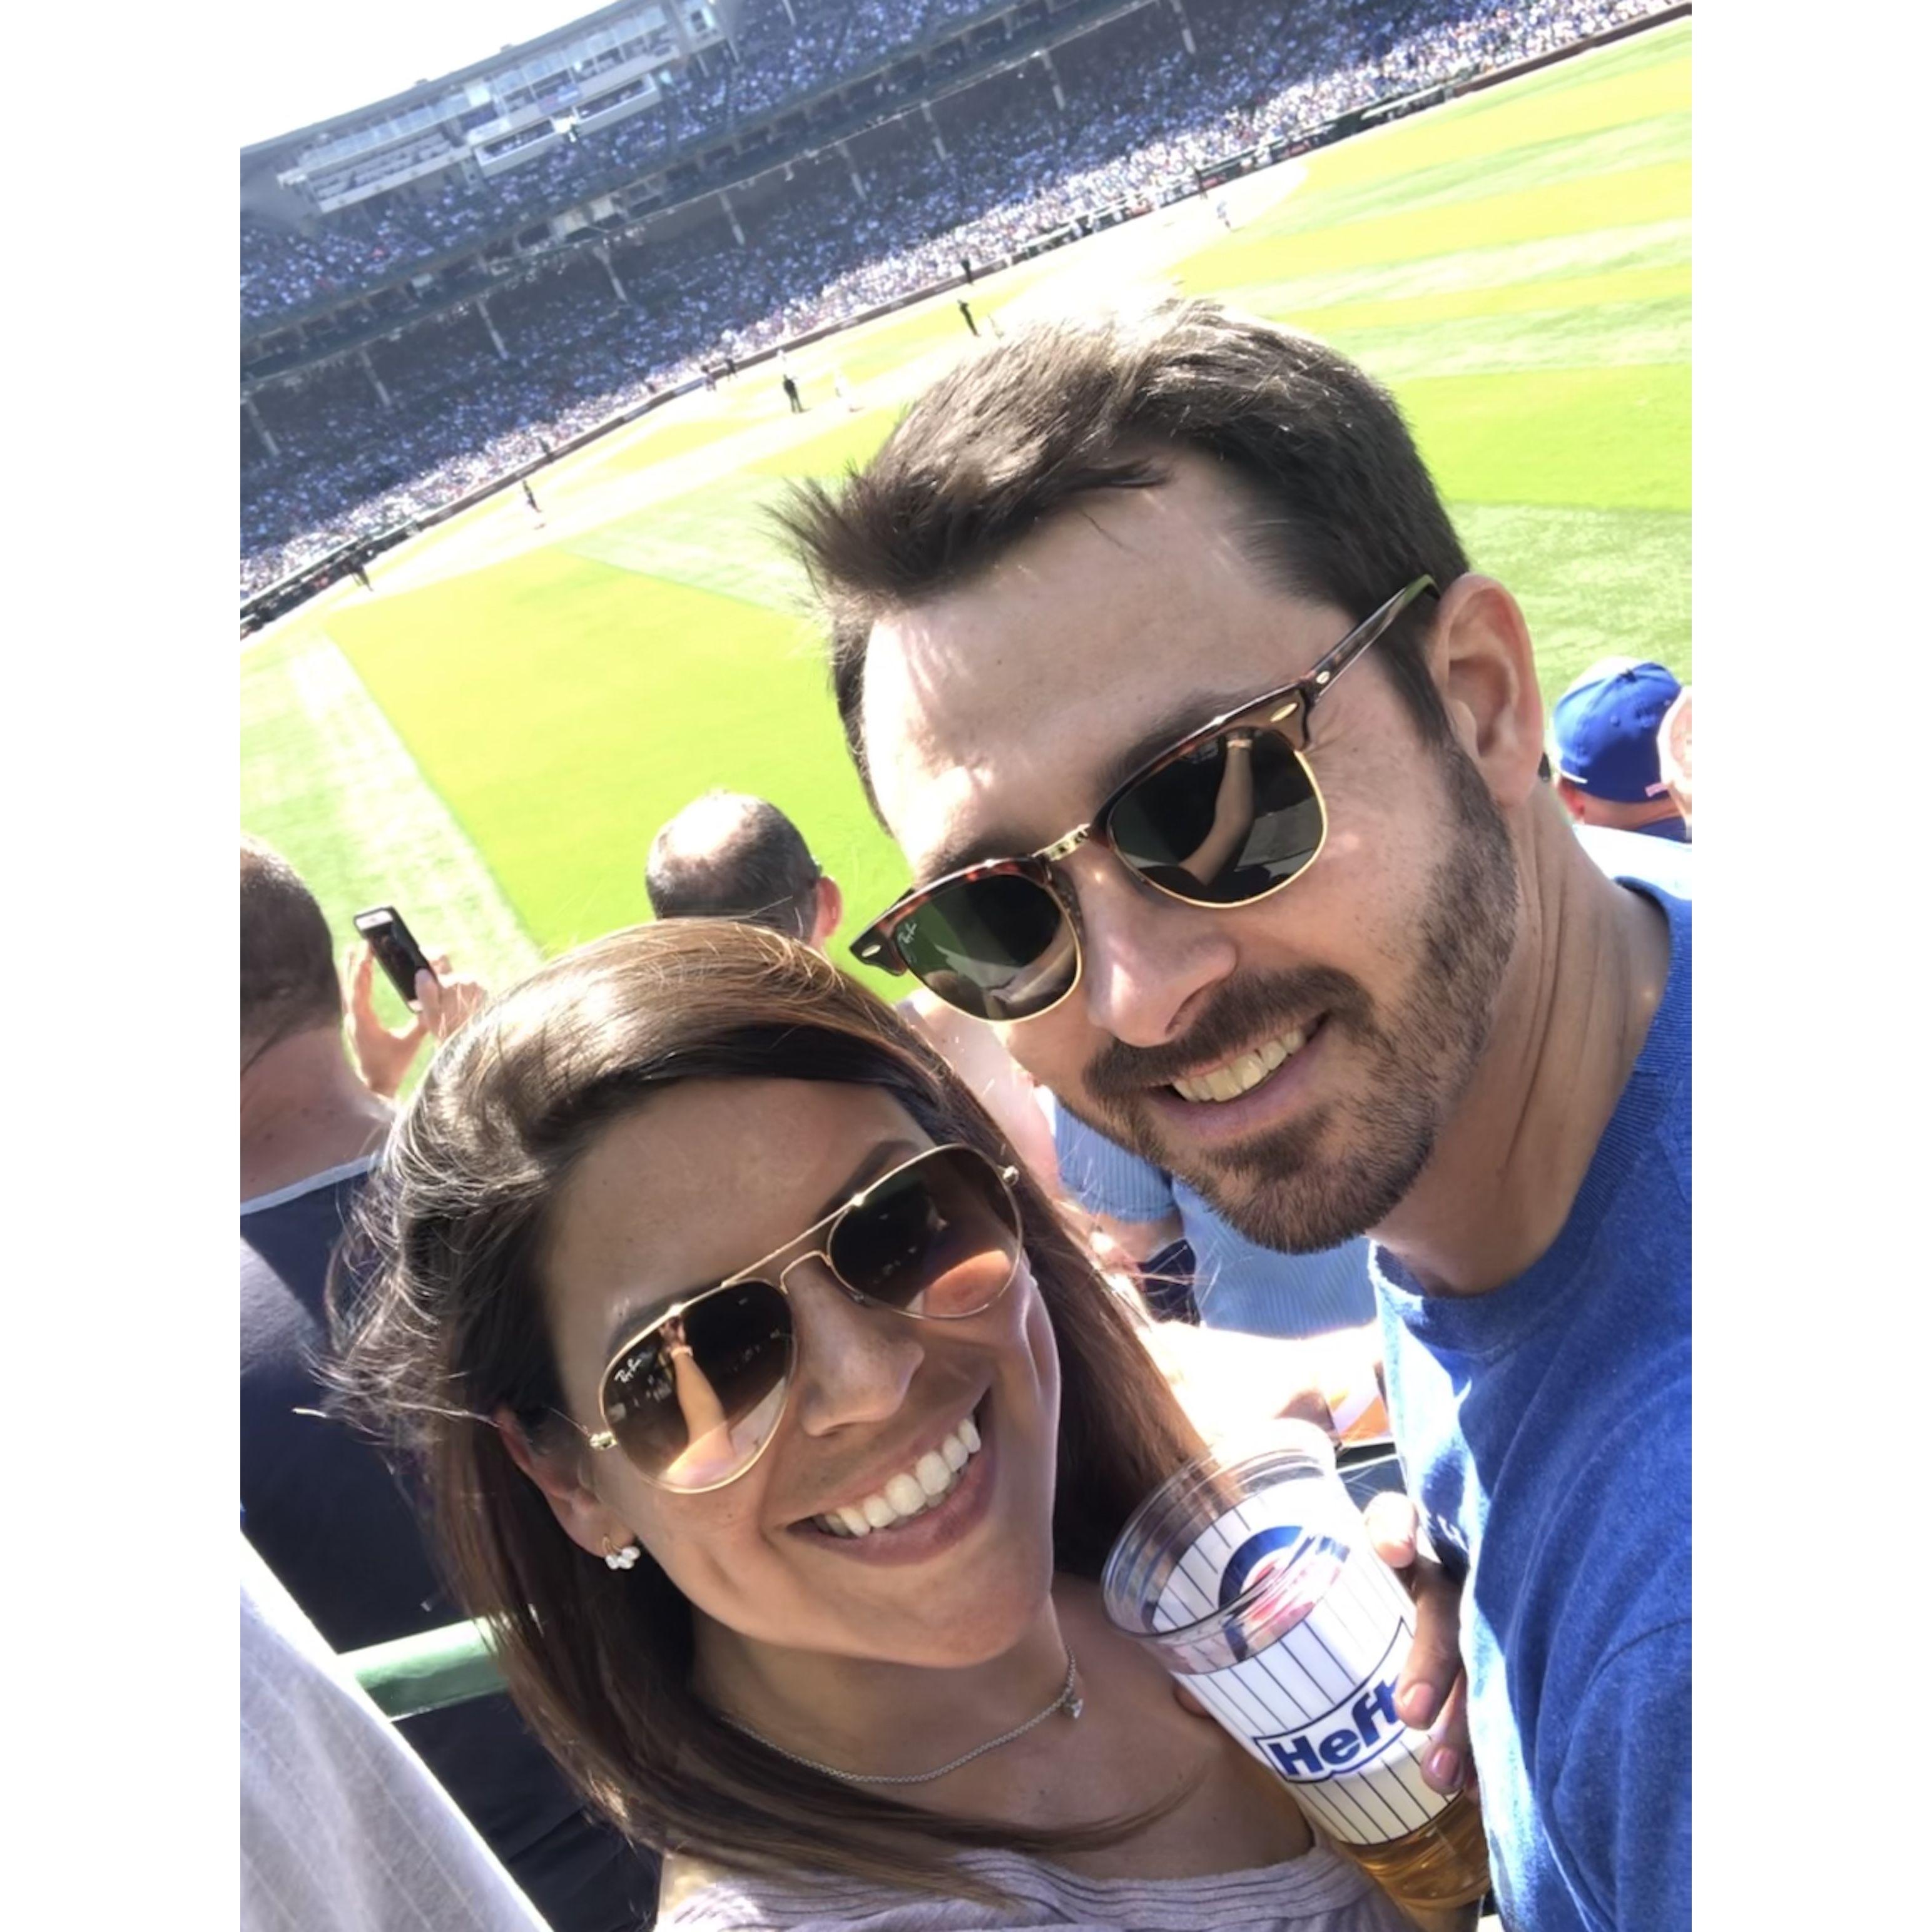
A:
<point x="286" y="272"/>
<point x="1016" y="167"/>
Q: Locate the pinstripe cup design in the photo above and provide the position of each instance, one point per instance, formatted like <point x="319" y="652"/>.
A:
<point x="1252" y="1577"/>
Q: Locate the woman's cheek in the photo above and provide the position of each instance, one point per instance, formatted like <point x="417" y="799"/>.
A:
<point x="698" y="1541"/>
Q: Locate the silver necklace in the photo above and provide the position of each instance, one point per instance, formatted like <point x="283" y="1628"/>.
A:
<point x="1068" y="1701"/>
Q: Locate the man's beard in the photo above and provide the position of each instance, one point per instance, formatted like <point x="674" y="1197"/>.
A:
<point x="1277" y="1189"/>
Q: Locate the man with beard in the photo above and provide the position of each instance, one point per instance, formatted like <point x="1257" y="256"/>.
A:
<point x="1162" y="662"/>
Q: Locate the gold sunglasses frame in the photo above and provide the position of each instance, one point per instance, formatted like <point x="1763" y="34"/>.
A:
<point x="1288" y="708"/>
<point x="606" y="1438"/>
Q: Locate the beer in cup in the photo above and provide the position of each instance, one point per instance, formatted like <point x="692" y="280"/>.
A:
<point x="1250" y="1573"/>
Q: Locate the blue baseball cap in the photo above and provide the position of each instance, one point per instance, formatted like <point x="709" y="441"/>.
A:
<point x="1605" y="727"/>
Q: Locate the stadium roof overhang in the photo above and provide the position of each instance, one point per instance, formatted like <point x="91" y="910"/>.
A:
<point x="429" y="90"/>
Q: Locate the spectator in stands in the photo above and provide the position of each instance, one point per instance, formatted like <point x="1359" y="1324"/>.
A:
<point x="342" y="1829"/>
<point x="1201" y="1267"/>
<point x="1604" y="737"/>
<point x="729" y="855"/>
<point x="682" y="1104"/>
<point x="318" y="1502"/>
<point x="1414" y="1010"/>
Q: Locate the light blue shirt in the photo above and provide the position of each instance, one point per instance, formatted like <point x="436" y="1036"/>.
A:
<point x="1237" y="1284"/>
<point x="1635" y="855"/>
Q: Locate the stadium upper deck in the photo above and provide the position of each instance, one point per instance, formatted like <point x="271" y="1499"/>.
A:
<point x="490" y="117"/>
<point x="601" y="122"/>
<point x="414" y="381"/>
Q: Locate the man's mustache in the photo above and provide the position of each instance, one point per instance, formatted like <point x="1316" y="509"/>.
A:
<point x="1243" y="1014"/>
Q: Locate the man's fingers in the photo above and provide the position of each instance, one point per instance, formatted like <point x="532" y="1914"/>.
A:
<point x="1423" y="1690"/>
<point x="1391" y="1518"/>
<point x="1431" y="1692"/>
<point x="1445" y="1764"/>
<point x="1186" y="1700"/>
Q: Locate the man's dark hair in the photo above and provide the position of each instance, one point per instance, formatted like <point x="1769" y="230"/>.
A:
<point x="288" y="959"/>
<point x="729" y="855"/>
<point x="1339" y="505"/>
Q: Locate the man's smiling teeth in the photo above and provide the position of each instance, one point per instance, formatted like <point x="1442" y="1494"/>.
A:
<point x="929" y="1481"/>
<point x="1230" y="1082"/>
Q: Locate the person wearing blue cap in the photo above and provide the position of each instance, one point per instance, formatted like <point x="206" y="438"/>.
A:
<point x="1604" y="730"/>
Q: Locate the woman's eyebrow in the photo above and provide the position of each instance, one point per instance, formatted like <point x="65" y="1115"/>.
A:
<point x="881" y="1159"/>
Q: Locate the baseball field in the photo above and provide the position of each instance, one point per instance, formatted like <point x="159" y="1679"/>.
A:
<point x="489" y="738"/>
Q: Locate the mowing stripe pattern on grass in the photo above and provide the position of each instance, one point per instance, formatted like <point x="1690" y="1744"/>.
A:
<point x="326" y="781"/>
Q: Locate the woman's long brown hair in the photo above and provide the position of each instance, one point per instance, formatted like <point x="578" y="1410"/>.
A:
<point x="448" y="1324"/>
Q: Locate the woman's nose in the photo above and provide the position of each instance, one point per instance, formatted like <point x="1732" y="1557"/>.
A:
<point x="856" y="1361"/>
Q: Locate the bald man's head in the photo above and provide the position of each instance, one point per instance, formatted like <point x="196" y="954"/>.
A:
<point x="728" y="856"/>
<point x="288" y="960"/>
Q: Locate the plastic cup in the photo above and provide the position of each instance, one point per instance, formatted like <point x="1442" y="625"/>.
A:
<point x="1250" y="1573"/>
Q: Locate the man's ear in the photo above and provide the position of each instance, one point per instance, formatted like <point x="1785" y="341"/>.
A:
<point x="831" y="904"/>
<point x="1480" y="653"/>
<point x="1572" y="796"/>
<point x="587" y="1520"/>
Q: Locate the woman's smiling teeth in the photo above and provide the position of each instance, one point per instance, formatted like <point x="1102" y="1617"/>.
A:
<point x="929" y="1481"/>
<point x="1230" y="1082"/>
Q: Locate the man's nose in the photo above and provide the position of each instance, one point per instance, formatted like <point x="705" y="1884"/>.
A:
<point x="856" y="1361"/>
<point x="1147" y="959"/>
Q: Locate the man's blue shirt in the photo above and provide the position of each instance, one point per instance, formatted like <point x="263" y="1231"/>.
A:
<point x="1545" y="1430"/>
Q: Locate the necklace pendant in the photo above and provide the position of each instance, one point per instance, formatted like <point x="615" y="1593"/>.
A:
<point x="1075" y="1704"/>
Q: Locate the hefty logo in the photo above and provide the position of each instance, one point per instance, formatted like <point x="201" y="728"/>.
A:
<point x="1357" y="1731"/>
<point x="1278" y="1552"/>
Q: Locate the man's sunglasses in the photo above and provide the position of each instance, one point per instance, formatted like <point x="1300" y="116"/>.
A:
<point x="1225" y="817"/>
<point x="692" y="1398"/>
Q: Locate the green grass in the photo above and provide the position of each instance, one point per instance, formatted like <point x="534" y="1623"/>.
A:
<point x="566" y="745"/>
<point x="663" y="439"/>
<point x="493" y="750"/>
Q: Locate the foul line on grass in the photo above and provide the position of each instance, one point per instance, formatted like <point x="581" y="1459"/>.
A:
<point x="398" y="828"/>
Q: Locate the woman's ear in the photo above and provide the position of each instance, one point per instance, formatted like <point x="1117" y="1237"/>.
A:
<point x="587" y="1520"/>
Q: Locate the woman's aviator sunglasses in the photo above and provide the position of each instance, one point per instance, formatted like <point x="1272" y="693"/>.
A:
<point x="1225" y="817"/>
<point x="693" y="1398"/>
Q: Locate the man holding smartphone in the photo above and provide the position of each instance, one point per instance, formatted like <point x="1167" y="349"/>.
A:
<point x="318" y="1503"/>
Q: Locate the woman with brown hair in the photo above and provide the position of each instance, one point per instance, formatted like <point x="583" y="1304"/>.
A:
<point x="780" y="1431"/>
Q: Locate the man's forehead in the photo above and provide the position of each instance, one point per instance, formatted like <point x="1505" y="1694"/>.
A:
<point x="991" y="711"/>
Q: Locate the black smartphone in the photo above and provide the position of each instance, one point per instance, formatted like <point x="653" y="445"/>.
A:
<point x="395" y="948"/>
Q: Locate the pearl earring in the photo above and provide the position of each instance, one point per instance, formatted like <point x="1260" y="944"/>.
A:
<point x="623" y="1558"/>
